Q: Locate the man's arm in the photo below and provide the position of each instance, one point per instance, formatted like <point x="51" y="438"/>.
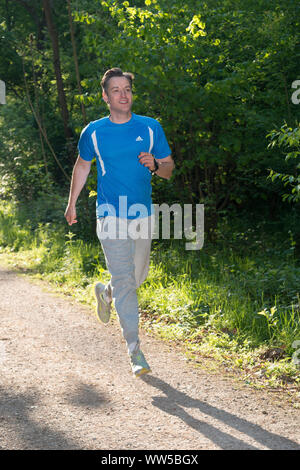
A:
<point x="79" y="176"/>
<point x="165" y="165"/>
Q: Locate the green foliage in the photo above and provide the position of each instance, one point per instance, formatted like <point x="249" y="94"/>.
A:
<point x="22" y="169"/>
<point x="289" y="139"/>
<point x="216" y="74"/>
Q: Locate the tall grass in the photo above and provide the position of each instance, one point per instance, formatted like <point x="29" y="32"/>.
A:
<point x="224" y="291"/>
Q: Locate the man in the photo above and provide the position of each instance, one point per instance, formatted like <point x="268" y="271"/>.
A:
<point x="128" y="148"/>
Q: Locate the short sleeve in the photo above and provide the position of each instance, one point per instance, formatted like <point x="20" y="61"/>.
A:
<point x="161" y="147"/>
<point x="85" y="145"/>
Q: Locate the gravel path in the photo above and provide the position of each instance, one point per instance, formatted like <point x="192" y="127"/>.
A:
<point x="66" y="384"/>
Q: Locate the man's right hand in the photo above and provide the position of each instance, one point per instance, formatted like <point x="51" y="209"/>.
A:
<point x="70" y="215"/>
<point x="80" y="173"/>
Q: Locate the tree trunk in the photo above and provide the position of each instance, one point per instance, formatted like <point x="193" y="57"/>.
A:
<point x="37" y="106"/>
<point x="56" y="62"/>
<point x="76" y="60"/>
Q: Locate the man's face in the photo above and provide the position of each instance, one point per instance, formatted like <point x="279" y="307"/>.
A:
<point x="118" y="95"/>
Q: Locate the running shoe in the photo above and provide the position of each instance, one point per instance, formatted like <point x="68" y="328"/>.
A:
<point x="103" y="303"/>
<point x="139" y="364"/>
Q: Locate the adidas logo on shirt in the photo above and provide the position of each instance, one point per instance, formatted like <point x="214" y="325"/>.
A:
<point x="139" y="139"/>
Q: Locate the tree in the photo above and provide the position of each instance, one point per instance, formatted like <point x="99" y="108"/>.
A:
<point x="76" y="65"/>
<point x="57" y="68"/>
<point x="217" y="75"/>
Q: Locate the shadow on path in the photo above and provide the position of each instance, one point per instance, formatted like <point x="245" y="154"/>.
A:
<point x="87" y="396"/>
<point x="15" y="416"/>
<point x="174" y="403"/>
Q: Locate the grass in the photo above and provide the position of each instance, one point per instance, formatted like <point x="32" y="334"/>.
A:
<point x="231" y="308"/>
<point x="235" y="301"/>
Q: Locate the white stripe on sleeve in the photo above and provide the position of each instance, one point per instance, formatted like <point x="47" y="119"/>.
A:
<point x="151" y="139"/>
<point x="98" y="153"/>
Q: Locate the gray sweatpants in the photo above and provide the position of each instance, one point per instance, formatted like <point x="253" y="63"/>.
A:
<point x="127" y="259"/>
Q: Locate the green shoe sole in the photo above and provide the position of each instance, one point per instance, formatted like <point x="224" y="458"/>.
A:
<point x="103" y="307"/>
<point x="142" y="372"/>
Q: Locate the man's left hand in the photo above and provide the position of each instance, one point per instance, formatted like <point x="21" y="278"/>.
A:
<point x="147" y="160"/>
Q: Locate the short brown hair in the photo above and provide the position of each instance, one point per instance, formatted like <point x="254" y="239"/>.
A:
<point x="115" y="72"/>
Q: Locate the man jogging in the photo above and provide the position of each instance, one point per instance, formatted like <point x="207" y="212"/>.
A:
<point x="128" y="149"/>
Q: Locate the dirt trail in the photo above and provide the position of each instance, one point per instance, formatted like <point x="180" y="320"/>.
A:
<point x="66" y="384"/>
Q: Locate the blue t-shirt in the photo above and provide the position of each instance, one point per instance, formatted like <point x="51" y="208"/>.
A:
<point x="123" y="183"/>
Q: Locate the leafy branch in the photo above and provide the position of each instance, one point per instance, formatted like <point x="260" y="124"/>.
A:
<point x="289" y="139"/>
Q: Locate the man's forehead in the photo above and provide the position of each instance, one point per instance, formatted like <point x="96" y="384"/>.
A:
<point x="118" y="82"/>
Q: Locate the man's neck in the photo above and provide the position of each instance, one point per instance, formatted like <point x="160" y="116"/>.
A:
<point x="120" y="118"/>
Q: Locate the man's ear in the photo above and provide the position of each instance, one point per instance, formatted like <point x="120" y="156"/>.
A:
<point x="105" y="97"/>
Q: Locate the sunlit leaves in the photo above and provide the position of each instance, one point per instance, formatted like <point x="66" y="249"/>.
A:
<point x="196" y="27"/>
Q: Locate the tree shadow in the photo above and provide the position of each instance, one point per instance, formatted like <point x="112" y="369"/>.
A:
<point x="174" y="401"/>
<point x="87" y="397"/>
<point x="15" y="412"/>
